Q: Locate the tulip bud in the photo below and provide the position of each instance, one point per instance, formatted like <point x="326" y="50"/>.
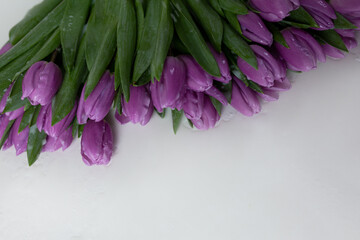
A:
<point x="15" y="114"/>
<point x="272" y="93"/>
<point x="19" y="140"/>
<point x="44" y="121"/>
<point x="4" y="122"/>
<point x="218" y="95"/>
<point x="268" y="71"/>
<point x="332" y="51"/>
<point x="99" y="102"/>
<point x="139" y="109"/>
<point x="197" y="78"/>
<point x="275" y="10"/>
<point x="169" y="91"/>
<point x="209" y="116"/>
<point x="96" y="143"/>
<point x="321" y="11"/>
<point x="254" y="29"/>
<point x="303" y="51"/>
<point x="244" y="99"/>
<point x="347" y="7"/>
<point x="223" y="66"/>
<point x="55" y="143"/>
<point x="5" y="48"/>
<point x="193" y="105"/>
<point x="5" y="97"/>
<point x="348" y="36"/>
<point x="41" y="82"/>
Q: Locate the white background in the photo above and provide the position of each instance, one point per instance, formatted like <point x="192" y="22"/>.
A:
<point x="291" y="172"/>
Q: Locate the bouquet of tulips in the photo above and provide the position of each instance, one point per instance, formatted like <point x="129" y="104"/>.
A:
<point x="69" y="62"/>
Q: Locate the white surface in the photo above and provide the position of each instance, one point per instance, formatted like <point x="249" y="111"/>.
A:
<point x="290" y="173"/>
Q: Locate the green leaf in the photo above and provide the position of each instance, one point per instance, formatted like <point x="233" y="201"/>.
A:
<point x="277" y="35"/>
<point x="126" y="44"/>
<point x="80" y="130"/>
<point x="147" y="39"/>
<point x="144" y="79"/>
<point x="163" y="41"/>
<point x="117" y="103"/>
<point x="35" y="116"/>
<point x="234" y="22"/>
<point x="216" y="6"/>
<point x="75" y="127"/>
<point x="216" y="104"/>
<point x="6" y="133"/>
<point x="342" y="23"/>
<point x="71" y="27"/>
<point x="52" y="42"/>
<point x="27" y="117"/>
<point x="67" y="95"/>
<point x="209" y="20"/>
<point x="332" y="38"/>
<point x="32" y="18"/>
<point x="140" y="20"/>
<point x="234" y="6"/>
<point x="35" y="144"/>
<point x="236" y="44"/>
<point x="192" y="38"/>
<point x="190" y="123"/>
<point x="301" y="18"/>
<point x="14" y="101"/>
<point x="161" y="114"/>
<point x="176" y="118"/>
<point x="100" y="42"/>
<point x="37" y="34"/>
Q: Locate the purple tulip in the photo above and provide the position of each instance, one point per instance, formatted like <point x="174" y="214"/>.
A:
<point x="217" y="94"/>
<point x="275" y="10"/>
<point x="139" y="109"/>
<point x="223" y="66"/>
<point x="96" y="143"/>
<point x="193" y="105"/>
<point x="348" y="36"/>
<point x="15" y="114"/>
<point x="5" y="97"/>
<point x="5" y="48"/>
<point x="272" y="93"/>
<point x="19" y="140"/>
<point x="303" y="51"/>
<point x="99" y="102"/>
<point x="209" y="116"/>
<point x="169" y="91"/>
<point x="55" y="143"/>
<point x="268" y="71"/>
<point x="321" y="11"/>
<point x="347" y="7"/>
<point x="41" y="82"/>
<point x="244" y="99"/>
<point x="4" y="122"/>
<point x="254" y="29"/>
<point x="197" y="78"/>
<point x="44" y="121"/>
<point x="332" y="52"/>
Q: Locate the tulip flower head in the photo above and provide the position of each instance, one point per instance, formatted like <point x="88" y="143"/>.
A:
<point x="244" y="99"/>
<point x="96" y="143"/>
<point x="268" y="70"/>
<point x="303" y="52"/>
<point x="275" y="10"/>
<point x="254" y="29"/>
<point x="19" y="140"/>
<point x="41" y="82"/>
<point x="193" y="105"/>
<point x="169" y="91"/>
<point x="44" y="121"/>
<point x="197" y="78"/>
<point x="99" y="102"/>
<point x="321" y="11"/>
<point x="223" y="66"/>
<point x="209" y="116"/>
<point x="139" y="109"/>
<point x="55" y="143"/>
